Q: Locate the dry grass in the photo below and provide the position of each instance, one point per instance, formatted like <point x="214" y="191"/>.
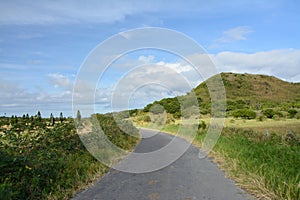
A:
<point x="250" y="182"/>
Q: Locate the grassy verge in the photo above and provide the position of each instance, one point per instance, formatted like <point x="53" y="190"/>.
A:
<point x="267" y="167"/>
<point x="38" y="161"/>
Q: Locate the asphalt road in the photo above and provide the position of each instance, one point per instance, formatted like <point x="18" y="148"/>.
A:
<point x="187" y="178"/>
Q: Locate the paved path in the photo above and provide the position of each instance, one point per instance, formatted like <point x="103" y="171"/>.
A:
<point x="188" y="178"/>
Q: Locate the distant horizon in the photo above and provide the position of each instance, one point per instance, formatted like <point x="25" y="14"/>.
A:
<point x="68" y="115"/>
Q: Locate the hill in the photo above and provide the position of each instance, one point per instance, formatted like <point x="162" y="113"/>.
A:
<point x="254" y="88"/>
<point x="243" y="91"/>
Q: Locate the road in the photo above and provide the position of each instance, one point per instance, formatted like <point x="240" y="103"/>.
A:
<point x="187" y="178"/>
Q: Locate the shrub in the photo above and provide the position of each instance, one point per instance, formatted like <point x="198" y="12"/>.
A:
<point x="269" y="113"/>
<point x="244" y="113"/>
<point x="202" y="125"/>
<point x="292" y="113"/>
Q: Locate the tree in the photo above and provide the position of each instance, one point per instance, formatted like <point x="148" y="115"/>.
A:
<point x="52" y="121"/>
<point x="78" y="117"/>
<point x="38" y="115"/>
<point x="157" y="109"/>
<point x="61" y="117"/>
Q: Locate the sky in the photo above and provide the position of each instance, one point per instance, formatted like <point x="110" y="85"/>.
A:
<point x="44" y="44"/>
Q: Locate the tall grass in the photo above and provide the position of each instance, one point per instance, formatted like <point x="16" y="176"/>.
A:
<point x="270" y="161"/>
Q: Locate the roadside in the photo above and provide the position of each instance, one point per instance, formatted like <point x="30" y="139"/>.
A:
<point x="265" y="166"/>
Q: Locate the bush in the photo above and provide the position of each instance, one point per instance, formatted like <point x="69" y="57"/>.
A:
<point x="292" y="113"/>
<point x="157" y="109"/>
<point x="244" y="113"/>
<point x="202" y="125"/>
<point x="269" y="113"/>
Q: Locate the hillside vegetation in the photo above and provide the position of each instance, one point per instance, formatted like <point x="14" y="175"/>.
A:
<point x="254" y="89"/>
<point x="248" y="96"/>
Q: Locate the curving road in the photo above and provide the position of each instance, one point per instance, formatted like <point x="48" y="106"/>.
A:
<point x="188" y="178"/>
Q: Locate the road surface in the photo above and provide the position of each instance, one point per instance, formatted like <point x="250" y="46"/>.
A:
<point x="187" y="178"/>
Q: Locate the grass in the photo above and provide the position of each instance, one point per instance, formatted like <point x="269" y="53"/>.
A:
<point x="267" y="167"/>
<point x="275" y="163"/>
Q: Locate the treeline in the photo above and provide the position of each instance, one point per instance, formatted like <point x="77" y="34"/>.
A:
<point x="36" y="120"/>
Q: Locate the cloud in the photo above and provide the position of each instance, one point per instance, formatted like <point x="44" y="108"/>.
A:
<point x="284" y="63"/>
<point x="146" y="59"/>
<point x="232" y="35"/>
<point x="18" y="100"/>
<point x="147" y="83"/>
<point x="68" y="12"/>
<point x="6" y="86"/>
<point x="237" y="33"/>
<point x="60" y="81"/>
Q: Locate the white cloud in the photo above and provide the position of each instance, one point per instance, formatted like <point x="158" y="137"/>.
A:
<point x="232" y="35"/>
<point x="146" y="59"/>
<point x="178" y="67"/>
<point x="8" y="86"/>
<point x="237" y="33"/>
<point x="283" y="63"/>
<point x="60" y="81"/>
<point x="147" y="83"/>
<point x="17" y="100"/>
<point x="66" y="12"/>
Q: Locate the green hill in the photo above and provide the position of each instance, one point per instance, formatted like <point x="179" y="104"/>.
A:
<point x="254" y="88"/>
<point x="243" y="91"/>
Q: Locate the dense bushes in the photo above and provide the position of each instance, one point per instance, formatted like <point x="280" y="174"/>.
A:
<point x="39" y="161"/>
<point x="35" y="163"/>
<point x="118" y="131"/>
<point x="292" y="113"/>
<point x="244" y="113"/>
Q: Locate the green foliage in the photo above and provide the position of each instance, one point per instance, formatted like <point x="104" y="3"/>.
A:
<point x="147" y="118"/>
<point x="244" y="113"/>
<point x="78" y="116"/>
<point x="41" y="162"/>
<point x="269" y="113"/>
<point x="61" y="117"/>
<point x="177" y="115"/>
<point x="202" y="125"/>
<point x="38" y="115"/>
<point x="133" y="112"/>
<point x="171" y="105"/>
<point x="117" y="133"/>
<point x="157" y="109"/>
<point x="238" y="104"/>
<point x="266" y="157"/>
<point x="292" y="113"/>
<point x="52" y="121"/>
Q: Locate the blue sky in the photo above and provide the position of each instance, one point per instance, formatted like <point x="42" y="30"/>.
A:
<point x="44" y="43"/>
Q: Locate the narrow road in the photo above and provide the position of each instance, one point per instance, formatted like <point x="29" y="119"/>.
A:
<point x="187" y="178"/>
